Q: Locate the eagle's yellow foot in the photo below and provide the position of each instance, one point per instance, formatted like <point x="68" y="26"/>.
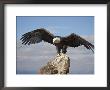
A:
<point x="58" y="54"/>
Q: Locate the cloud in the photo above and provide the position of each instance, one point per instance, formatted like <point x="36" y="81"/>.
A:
<point x="31" y="58"/>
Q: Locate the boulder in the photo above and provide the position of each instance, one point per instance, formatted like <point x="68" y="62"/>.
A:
<point x="59" y="65"/>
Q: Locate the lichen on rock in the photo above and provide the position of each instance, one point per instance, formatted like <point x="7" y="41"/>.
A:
<point x="59" y="65"/>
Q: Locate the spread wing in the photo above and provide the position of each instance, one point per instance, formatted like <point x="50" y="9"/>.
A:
<point x="74" y="40"/>
<point x="37" y="36"/>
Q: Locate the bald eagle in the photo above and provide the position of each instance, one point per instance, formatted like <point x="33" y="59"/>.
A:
<point x="61" y="43"/>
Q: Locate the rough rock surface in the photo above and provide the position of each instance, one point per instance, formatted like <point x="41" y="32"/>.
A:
<point x="59" y="65"/>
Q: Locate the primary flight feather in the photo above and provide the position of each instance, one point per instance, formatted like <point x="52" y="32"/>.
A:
<point x="61" y="43"/>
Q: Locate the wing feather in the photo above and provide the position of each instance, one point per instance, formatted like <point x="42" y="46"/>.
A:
<point x="74" y="40"/>
<point x="37" y="36"/>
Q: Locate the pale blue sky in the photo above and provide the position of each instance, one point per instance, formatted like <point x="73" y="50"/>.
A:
<point x="58" y="25"/>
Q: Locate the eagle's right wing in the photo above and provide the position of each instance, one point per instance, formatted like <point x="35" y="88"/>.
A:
<point x="74" y="40"/>
<point x="37" y="36"/>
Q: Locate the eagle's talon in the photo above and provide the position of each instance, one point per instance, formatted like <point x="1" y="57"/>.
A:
<point x="58" y="54"/>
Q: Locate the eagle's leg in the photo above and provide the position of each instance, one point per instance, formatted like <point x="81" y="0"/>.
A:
<point x="58" y="50"/>
<point x="64" y="49"/>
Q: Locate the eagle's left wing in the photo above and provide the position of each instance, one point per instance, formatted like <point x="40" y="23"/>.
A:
<point x="74" y="40"/>
<point x="36" y="36"/>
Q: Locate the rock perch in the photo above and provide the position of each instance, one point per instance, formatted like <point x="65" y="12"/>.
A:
<point x="59" y="65"/>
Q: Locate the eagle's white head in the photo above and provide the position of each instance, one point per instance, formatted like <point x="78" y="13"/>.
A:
<point x="56" y="40"/>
